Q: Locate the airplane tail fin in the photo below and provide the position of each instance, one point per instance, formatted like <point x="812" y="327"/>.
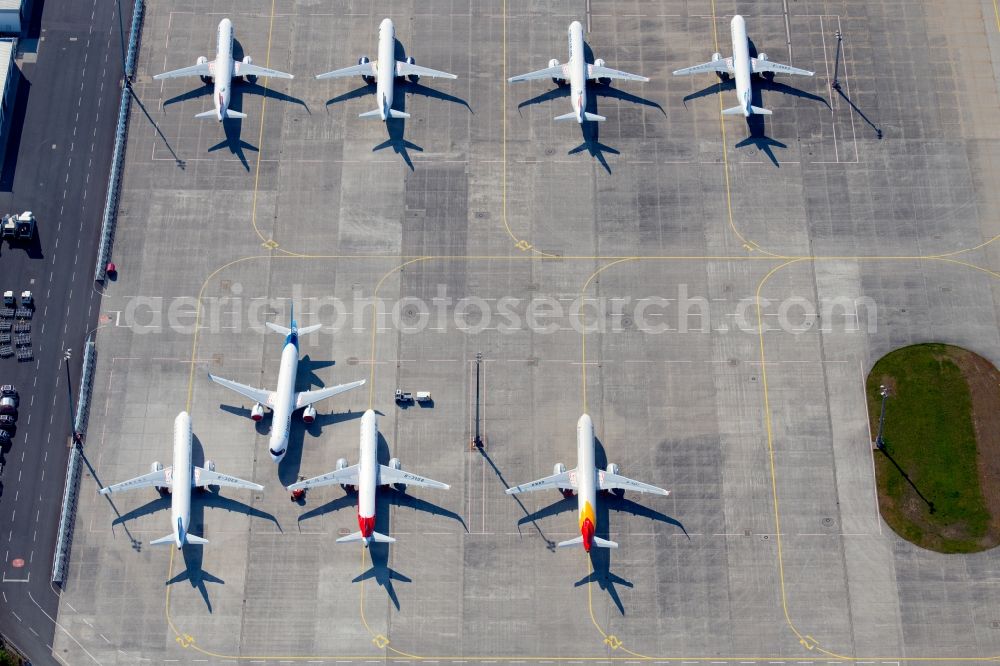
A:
<point x="604" y="543"/>
<point x="570" y="542"/>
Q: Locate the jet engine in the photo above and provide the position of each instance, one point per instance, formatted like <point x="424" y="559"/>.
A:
<point x="249" y="61"/>
<point x="367" y="78"/>
<point x="257" y="412"/>
<point x="410" y="60"/>
<point x="602" y="80"/>
<point x="156" y="467"/>
<point x="342" y="464"/>
<point x="395" y="464"/>
<point x="555" y="79"/>
<point x="559" y="468"/>
<point x="202" y="60"/>
<point x="210" y="466"/>
<point x="723" y="76"/>
<point x="309" y="414"/>
<point x="613" y="469"/>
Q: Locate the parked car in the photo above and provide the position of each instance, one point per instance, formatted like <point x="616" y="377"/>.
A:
<point x="8" y="405"/>
<point x="8" y="391"/>
<point x="7" y="422"/>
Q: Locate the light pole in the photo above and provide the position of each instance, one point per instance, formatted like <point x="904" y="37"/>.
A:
<point x="879" y="441"/>
<point x="478" y="441"/>
<point x="836" y="65"/>
<point x="67" y="355"/>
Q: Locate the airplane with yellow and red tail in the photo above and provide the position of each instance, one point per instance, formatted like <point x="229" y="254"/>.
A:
<point x="584" y="482"/>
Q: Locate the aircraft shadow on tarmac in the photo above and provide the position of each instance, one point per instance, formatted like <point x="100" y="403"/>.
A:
<point x="385" y="498"/>
<point x="396" y="127"/>
<point x="200" y="499"/>
<point x="600" y="558"/>
<point x="232" y="127"/>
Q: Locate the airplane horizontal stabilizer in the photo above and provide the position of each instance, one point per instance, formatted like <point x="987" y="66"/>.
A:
<point x="568" y="116"/>
<point x="356" y="536"/>
<point x="604" y="543"/>
<point x="377" y="113"/>
<point x="759" y="111"/>
<point x="306" y="330"/>
<point x="570" y="542"/>
<point x="207" y="114"/>
<point x="593" y="117"/>
<point x="393" y="113"/>
<point x="735" y="111"/>
<point x="163" y="540"/>
<point x="196" y="539"/>
<point x="278" y="328"/>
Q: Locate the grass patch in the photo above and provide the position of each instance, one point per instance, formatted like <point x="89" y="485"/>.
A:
<point x="930" y="476"/>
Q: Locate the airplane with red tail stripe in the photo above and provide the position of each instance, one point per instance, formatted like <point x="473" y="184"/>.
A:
<point x="366" y="477"/>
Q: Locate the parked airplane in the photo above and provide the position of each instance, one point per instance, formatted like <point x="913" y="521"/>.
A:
<point x="284" y="400"/>
<point x="365" y="477"/>
<point x="584" y="481"/>
<point x="222" y="70"/>
<point x="384" y="72"/>
<point x="577" y="71"/>
<point x="742" y="65"/>
<point x="178" y="481"/>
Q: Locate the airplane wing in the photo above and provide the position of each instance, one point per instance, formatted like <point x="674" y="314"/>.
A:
<point x="558" y="72"/>
<point x="724" y="65"/>
<point x="595" y="72"/>
<point x="265" y="398"/>
<point x="390" y="475"/>
<point x="347" y="477"/>
<point x="366" y="69"/>
<point x="404" y="68"/>
<point x="204" y="69"/>
<point x="206" y="477"/>
<point x="759" y="66"/>
<point x="243" y="69"/>
<point x="609" y="481"/>
<point x="565" y="480"/>
<point x="161" y="479"/>
<point x="306" y="398"/>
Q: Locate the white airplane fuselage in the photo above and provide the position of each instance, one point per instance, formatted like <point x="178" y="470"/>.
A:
<point x="586" y="480"/>
<point x="368" y="467"/>
<point x="741" y="63"/>
<point x="180" y="480"/>
<point x="577" y="69"/>
<point x="284" y="399"/>
<point x="222" y="75"/>
<point x="385" y="81"/>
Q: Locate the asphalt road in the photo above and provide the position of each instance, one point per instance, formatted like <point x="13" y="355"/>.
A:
<point x="64" y="124"/>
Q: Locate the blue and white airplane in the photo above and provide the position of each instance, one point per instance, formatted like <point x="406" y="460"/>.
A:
<point x="285" y="400"/>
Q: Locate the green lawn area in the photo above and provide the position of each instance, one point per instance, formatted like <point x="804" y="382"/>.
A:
<point x="930" y="437"/>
